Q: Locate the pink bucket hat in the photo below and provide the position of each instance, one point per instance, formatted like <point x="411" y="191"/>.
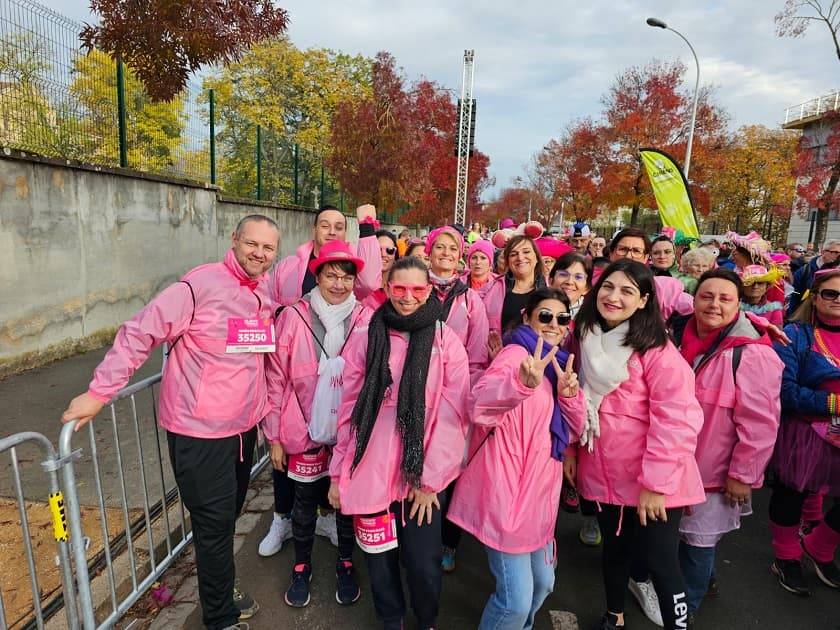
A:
<point x="507" y="223"/>
<point x="553" y="248"/>
<point x="446" y="229"/>
<point x="485" y="247"/>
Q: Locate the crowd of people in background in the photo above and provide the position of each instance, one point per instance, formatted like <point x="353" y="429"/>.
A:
<point x="416" y="388"/>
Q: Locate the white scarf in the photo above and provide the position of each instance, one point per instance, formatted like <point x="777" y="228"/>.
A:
<point x="603" y="367"/>
<point x="332" y="316"/>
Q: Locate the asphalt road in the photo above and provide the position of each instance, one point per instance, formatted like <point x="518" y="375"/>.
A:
<point x="750" y="597"/>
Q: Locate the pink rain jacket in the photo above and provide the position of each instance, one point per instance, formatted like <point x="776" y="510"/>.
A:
<point x="204" y="392"/>
<point x="494" y="301"/>
<point x="287" y="276"/>
<point x="292" y="375"/>
<point x="468" y="320"/>
<point x="741" y="411"/>
<point x="377" y="481"/>
<point x="649" y="427"/>
<point x="671" y="296"/>
<point x="508" y="495"/>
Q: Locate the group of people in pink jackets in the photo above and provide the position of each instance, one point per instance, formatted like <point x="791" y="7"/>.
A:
<point x="406" y="402"/>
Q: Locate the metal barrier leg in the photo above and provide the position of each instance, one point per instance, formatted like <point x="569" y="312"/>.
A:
<point x="68" y="476"/>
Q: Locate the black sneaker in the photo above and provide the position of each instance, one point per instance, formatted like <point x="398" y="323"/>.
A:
<point x="828" y="572"/>
<point x="790" y="576"/>
<point x="347" y="591"/>
<point x="246" y="604"/>
<point x="297" y="595"/>
<point x="714" y="587"/>
<point x="608" y="622"/>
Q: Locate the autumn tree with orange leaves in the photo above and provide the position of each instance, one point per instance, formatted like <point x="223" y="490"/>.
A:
<point x="396" y="148"/>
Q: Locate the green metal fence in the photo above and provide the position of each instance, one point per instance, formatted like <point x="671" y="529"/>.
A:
<point x="58" y="101"/>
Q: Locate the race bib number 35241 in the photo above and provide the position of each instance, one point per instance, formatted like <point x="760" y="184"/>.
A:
<point x="250" y="335"/>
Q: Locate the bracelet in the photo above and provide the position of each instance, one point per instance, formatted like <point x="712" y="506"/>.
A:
<point x="832" y="404"/>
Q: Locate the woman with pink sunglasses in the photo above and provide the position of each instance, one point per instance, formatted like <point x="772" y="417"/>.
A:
<point x="401" y="439"/>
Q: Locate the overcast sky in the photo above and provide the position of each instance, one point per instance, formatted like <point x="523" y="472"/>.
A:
<point x="541" y="64"/>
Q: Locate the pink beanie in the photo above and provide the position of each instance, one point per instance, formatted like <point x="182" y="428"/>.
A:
<point x="446" y="229"/>
<point x="485" y="247"/>
<point x="552" y="247"/>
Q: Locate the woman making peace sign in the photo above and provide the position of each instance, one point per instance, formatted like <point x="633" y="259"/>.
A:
<point x="527" y="405"/>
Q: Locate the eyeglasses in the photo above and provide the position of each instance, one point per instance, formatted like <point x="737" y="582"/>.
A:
<point x="635" y="252"/>
<point x="829" y="294"/>
<point x="417" y="290"/>
<point x="333" y="278"/>
<point x="833" y="252"/>
<point x="545" y="316"/>
<point x="390" y="251"/>
<point x="799" y="250"/>
<point x="577" y="277"/>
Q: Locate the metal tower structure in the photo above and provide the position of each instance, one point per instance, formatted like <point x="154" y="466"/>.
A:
<point x="465" y="135"/>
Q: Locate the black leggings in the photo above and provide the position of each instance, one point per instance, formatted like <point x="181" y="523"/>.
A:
<point x="661" y="541"/>
<point x="308" y="496"/>
<point x="284" y="492"/>
<point x="786" y="507"/>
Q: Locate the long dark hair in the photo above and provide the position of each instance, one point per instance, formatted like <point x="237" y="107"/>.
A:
<point x="647" y="328"/>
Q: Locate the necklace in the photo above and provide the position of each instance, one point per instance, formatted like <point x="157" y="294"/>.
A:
<point x="828" y="354"/>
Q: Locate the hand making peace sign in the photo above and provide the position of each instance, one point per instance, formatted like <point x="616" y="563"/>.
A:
<point x="532" y="368"/>
<point x="567" y="381"/>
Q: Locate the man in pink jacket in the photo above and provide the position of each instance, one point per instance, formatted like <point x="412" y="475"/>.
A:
<point x="218" y="323"/>
<point x="290" y="281"/>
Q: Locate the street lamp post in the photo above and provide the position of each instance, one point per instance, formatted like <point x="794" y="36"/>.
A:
<point x="657" y="23"/>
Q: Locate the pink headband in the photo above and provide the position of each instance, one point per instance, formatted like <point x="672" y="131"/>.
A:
<point x="430" y="240"/>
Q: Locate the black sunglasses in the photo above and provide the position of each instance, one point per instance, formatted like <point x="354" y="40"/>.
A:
<point x="545" y="316"/>
<point x="828" y="294"/>
<point x="389" y="250"/>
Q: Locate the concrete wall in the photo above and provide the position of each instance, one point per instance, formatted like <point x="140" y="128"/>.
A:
<point x="82" y="249"/>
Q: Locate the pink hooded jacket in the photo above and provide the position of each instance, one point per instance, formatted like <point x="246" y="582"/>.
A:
<point x="649" y="427"/>
<point x="508" y="495"/>
<point x="204" y="393"/>
<point x="494" y="301"/>
<point x="468" y="320"/>
<point x="741" y="411"/>
<point x="292" y="375"/>
<point x="287" y="276"/>
<point x="377" y="481"/>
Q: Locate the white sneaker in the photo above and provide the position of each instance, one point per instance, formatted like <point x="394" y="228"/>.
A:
<point x="645" y="594"/>
<point x="325" y="526"/>
<point x="281" y="531"/>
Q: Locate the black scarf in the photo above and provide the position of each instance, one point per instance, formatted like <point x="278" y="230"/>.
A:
<point x="411" y="398"/>
<point x="457" y="288"/>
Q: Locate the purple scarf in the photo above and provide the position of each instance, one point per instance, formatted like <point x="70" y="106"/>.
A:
<point x="526" y="337"/>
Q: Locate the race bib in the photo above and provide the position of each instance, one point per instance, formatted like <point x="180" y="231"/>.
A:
<point x="309" y="467"/>
<point x="250" y="335"/>
<point x="376" y="534"/>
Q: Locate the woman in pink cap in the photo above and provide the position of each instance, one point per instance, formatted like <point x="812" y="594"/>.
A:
<point x="301" y="375"/>
<point x="480" y="264"/>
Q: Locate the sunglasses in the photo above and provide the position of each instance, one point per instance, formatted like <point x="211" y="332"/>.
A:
<point x="545" y="316"/>
<point x="388" y="250"/>
<point x="417" y="290"/>
<point x="828" y="294"/>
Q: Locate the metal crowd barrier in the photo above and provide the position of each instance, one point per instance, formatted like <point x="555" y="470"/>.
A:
<point x="50" y="465"/>
<point x="133" y="490"/>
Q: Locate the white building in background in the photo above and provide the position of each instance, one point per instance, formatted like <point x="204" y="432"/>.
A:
<point x="809" y="117"/>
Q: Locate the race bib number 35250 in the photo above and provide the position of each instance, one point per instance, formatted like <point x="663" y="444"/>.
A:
<point x="250" y="335"/>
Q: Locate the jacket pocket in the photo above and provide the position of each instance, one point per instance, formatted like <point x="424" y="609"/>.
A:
<point x="225" y="391"/>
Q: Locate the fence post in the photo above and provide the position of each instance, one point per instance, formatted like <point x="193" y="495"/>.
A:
<point x="322" y="199"/>
<point x="259" y="162"/>
<point x="121" y="118"/>
<point x="212" y="136"/>
<point x="297" y="167"/>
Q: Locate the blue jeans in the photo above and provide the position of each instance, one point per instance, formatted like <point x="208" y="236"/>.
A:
<point x="523" y="581"/>
<point x="698" y="566"/>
